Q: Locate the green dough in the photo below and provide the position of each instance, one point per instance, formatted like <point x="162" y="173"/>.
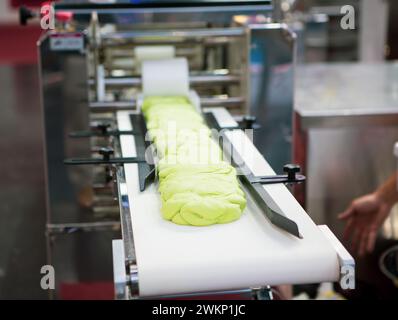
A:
<point x="196" y="186"/>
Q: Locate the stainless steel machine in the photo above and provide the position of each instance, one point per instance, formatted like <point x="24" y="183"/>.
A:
<point x="241" y="68"/>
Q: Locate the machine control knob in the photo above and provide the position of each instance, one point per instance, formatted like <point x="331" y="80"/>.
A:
<point x="248" y="122"/>
<point x="25" y="14"/>
<point x="106" y="153"/>
<point x="103" y="127"/>
<point x="291" y="170"/>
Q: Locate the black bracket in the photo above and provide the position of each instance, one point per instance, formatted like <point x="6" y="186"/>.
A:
<point x="102" y="130"/>
<point x="106" y="159"/>
<point x="248" y="122"/>
<point x="146" y="171"/>
<point x="291" y="176"/>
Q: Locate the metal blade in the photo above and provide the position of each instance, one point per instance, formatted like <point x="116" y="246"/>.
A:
<point x="256" y="190"/>
<point x="88" y="134"/>
<point x="259" y="195"/>
<point x="94" y="161"/>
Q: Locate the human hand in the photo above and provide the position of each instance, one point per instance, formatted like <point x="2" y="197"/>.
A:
<point x="364" y="217"/>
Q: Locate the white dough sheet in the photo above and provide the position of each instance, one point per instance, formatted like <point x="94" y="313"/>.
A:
<point x="249" y="252"/>
<point x="158" y="52"/>
<point x="167" y="77"/>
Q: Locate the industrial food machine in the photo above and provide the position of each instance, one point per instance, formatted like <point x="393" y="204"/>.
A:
<point x="240" y="61"/>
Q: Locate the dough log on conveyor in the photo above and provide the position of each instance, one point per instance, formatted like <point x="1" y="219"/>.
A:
<point x="197" y="186"/>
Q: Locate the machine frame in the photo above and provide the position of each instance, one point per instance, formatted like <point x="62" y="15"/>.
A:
<point x="74" y="99"/>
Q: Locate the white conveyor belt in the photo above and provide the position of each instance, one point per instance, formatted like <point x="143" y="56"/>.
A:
<point x="250" y="252"/>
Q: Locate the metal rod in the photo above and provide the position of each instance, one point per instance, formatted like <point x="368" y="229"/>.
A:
<point x="206" y="42"/>
<point x="99" y="106"/>
<point x="193" y="80"/>
<point x="110" y="133"/>
<point x="221" y="101"/>
<point x="167" y="34"/>
<point x="212" y="79"/>
<point x="218" y="8"/>
<point x="278" y="179"/>
<point x="94" y="161"/>
<point x="67" y="228"/>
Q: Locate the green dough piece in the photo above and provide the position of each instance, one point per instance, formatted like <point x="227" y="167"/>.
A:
<point x="189" y="208"/>
<point x="165" y="100"/>
<point x="197" y="187"/>
<point x="166" y="170"/>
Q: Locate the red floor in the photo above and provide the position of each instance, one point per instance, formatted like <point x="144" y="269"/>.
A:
<point x="18" y="44"/>
<point x="87" y="291"/>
